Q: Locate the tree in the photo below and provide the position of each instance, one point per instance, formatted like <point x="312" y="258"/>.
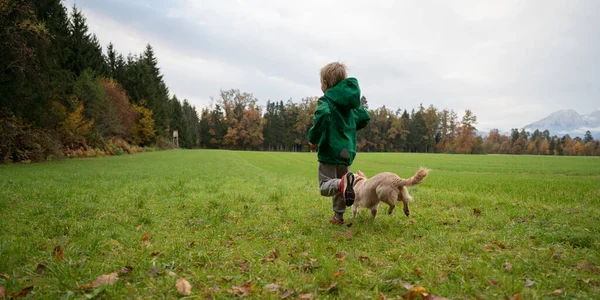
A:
<point x="466" y="136"/>
<point x="588" y="137"/>
<point x="143" y="131"/>
<point x="85" y="50"/>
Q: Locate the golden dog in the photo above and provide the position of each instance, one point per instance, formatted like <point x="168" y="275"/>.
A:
<point x="384" y="187"/>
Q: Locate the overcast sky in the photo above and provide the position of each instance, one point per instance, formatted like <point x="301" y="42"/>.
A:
<point x="510" y="62"/>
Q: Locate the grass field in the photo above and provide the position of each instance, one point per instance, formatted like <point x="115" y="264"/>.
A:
<point x="254" y="224"/>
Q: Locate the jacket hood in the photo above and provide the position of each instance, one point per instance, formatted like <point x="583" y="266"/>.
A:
<point x="345" y="94"/>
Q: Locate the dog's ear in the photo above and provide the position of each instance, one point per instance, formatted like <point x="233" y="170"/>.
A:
<point x="360" y="173"/>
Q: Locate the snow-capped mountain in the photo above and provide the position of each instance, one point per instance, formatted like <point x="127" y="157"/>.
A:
<point x="569" y="122"/>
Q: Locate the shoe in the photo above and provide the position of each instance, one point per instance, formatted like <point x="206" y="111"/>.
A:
<point x="337" y="221"/>
<point x="346" y="187"/>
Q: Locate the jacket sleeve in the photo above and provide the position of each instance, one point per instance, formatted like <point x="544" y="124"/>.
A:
<point x="362" y="118"/>
<point x="321" y="122"/>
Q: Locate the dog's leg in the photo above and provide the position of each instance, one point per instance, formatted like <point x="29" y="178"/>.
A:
<point x="405" y="198"/>
<point x="374" y="212"/>
<point x="354" y="209"/>
<point x="405" y="208"/>
<point x="391" y="209"/>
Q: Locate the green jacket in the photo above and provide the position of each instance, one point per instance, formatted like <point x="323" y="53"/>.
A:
<point x="338" y="117"/>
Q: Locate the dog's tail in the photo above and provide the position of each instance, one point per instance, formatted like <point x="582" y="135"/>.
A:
<point x="416" y="179"/>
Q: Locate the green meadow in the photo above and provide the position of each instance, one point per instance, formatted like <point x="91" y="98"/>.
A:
<point x="253" y="224"/>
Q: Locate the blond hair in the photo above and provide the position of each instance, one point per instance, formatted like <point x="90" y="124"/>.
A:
<point x="332" y="73"/>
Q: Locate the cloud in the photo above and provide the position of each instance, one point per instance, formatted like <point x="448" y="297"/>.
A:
<point x="510" y="62"/>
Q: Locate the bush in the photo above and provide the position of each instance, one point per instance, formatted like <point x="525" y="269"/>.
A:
<point x="163" y="143"/>
<point x="25" y="143"/>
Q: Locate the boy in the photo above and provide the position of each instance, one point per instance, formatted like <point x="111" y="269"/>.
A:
<point x="337" y="118"/>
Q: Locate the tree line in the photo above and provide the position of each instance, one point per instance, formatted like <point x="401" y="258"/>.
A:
<point x="62" y="94"/>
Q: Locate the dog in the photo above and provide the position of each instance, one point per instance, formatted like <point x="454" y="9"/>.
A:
<point x="384" y="187"/>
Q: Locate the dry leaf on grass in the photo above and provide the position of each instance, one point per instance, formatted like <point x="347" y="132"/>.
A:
<point x="306" y="296"/>
<point x="2" y="292"/>
<point x="58" y="253"/>
<point x="332" y="286"/>
<point x="4" y="275"/>
<point x="125" y="270"/>
<point x="244" y="266"/>
<point x="507" y="266"/>
<point x="529" y="282"/>
<point x="22" y="292"/>
<point x="172" y="274"/>
<point x="272" y="287"/>
<point x="555" y="292"/>
<point x="245" y="290"/>
<point x="109" y="279"/>
<point x="287" y="293"/>
<point x="183" y="287"/>
<point x="146" y="236"/>
<point x="476" y="212"/>
<point x="138" y="228"/>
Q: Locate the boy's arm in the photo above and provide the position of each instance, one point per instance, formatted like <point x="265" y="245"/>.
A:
<point x="362" y="118"/>
<point x="321" y="121"/>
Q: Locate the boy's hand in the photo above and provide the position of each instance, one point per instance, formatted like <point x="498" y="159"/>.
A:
<point x="312" y="146"/>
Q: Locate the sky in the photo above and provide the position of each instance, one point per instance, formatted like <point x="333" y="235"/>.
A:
<point x="510" y="62"/>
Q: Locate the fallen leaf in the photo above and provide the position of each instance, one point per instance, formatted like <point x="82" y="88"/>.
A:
<point x="587" y="266"/>
<point x="349" y="234"/>
<point x="312" y="259"/>
<point x="146" y="236"/>
<point x="41" y="269"/>
<point x="192" y="244"/>
<point x="154" y="271"/>
<point x="306" y="296"/>
<point x="330" y="287"/>
<point x="529" y="282"/>
<point x="417" y="292"/>
<point x="305" y="253"/>
<point x="476" y="212"/>
<point x="590" y="282"/>
<point x="105" y="279"/>
<point x="86" y="286"/>
<point x="493" y="282"/>
<point x="363" y="258"/>
<point x="183" y="287"/>
<point x="24" y="291"/>
<point x="2" y="292"/>
<point x="228" y="244"/>
<point x="58" y="253"/>
<point x="125" y="270"/>
<point x="336" y="274"/>
<point x="435" y="297"/>
<point x="516" y="297"/>
<point x="307" y="244"/>
<point x="272" y="287"/>
<point x="287" y="293"/>
<point x="245" y="290"/>
<point x="406" y="285"/>
<point x="555" y="292"/>
<point x="341" y="256"/>
<point x="507" y="266"/>
<point x="348" y="224"/>
<point x="499" y="244"/>
<point x="418" y="272"/>
<point x="155" y="253"/>
<point x="172" y="274"/>
<point x="227" y="278"/>
<point x="4" y="275"/>
<point x="244" y="266"/>
<point x="138" y="228"/>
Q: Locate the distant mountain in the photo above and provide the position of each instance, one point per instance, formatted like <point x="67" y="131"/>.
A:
<point x="568" y="121"/>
